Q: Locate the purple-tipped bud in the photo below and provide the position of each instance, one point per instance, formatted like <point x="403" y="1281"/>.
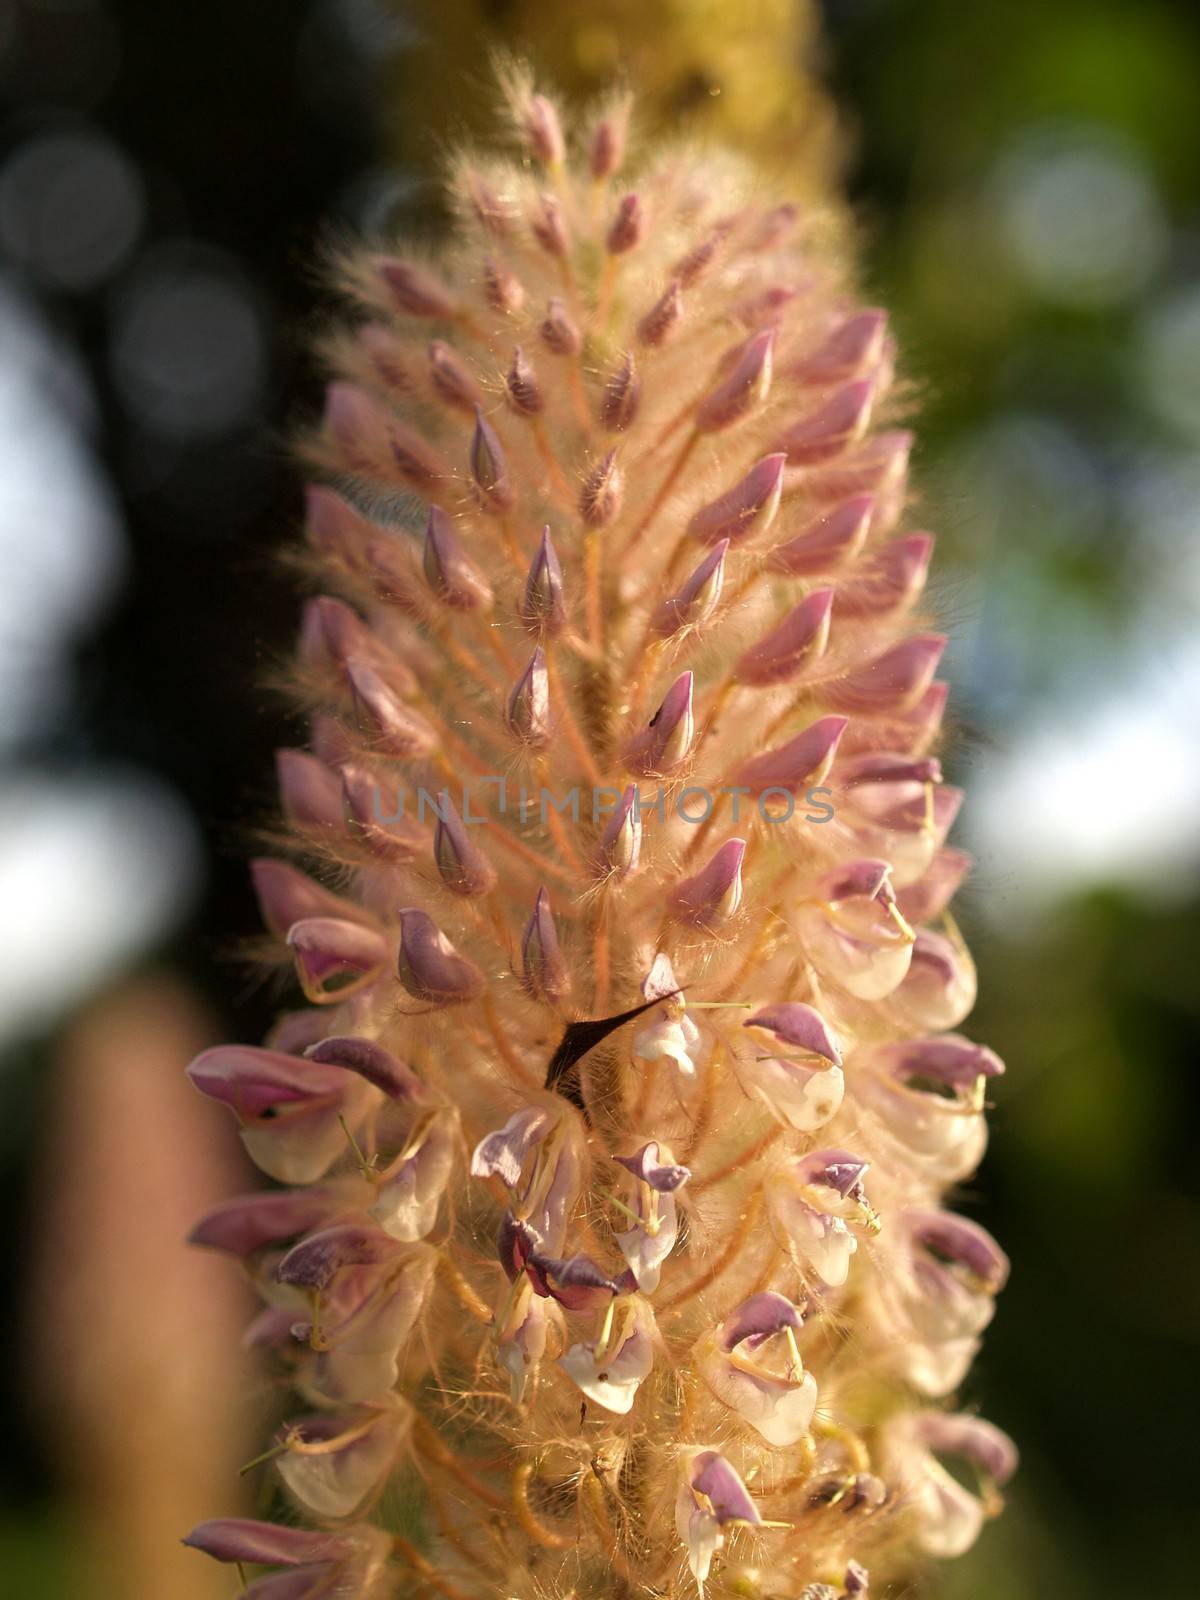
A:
<point x="370" y="1061"/>
<point x="692" y="266"/>
<point x="620" y="846"/>
<point x="798" y="1027"/>
<point x="827" y="543"/>
<point x="662" y="317"/>
<point x="891" y="582"/>
<point x="502" y="289"/>
<point x="622" y="395"/>
<point x="960" y="1242"/>
<point x="893" y="681"/>
<point x="415" y="291"/>
<point x="527" y="713"/>
<point x="832" y="428"/>
<point x="266" y="1543"/>
<point x="973" y="1439"/>
<point x="856" y="346"/>
<point x="449" y="571"/>
<point x="697" y="599"/>
<point x="374" y="816"/>
<point x="453" y="378"/>
<point x="393" y="728"/>
<point x="309" y="793"/>
<point x="416" y="463"/>
<point x="286" y="895"/>
<point x="628" y="227"/>
<point x="542" y="130"/>
<point x="357" y="426"/>
<point x="742" y="390"/>
<point x="711" y="896"/>
<point x="544" y="972"/>
<point x="242" y="1226"/>
<point x="489" y="467"/>
<point x="542" y="608"/>
<point x="522" y="386"/>
<point x="663" y="745"/>
<point x="429" y="967"/>
<point x="606" y="148"/>
<point x="390" y="570"/>
<point x="801" y="763"/>
<point x="335" y="958"/>
<point x="558" y="331"/>
<point x="492" y="211"/>
<point x="798" y="641"/>
<point x="746" y="509"/>
<point x="462" y="866"/>
<point x="335" y="528"/>
<point x="389" y="356"/>
<point x="774" y="227"/>
<point x="549" y="227"/>
<point x="602" y="492"/>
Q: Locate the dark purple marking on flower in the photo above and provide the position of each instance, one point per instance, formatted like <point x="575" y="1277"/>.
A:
<point x="758" y="1318"/>
<point x="315" y="1261"/>
<point x="840" y="1170"/>
<point x="645" y="1165"/>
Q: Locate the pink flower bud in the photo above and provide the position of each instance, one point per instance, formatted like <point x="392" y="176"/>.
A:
<point x="450" y="572"/>
<point x="462" y="866"/>
<point x="663" y="316"/>
<point x="549" y="227"/>
<point x="373" y="816"/>
<point x="524" y="392"/>
<point x="489" y="468"/>
<point x="543" y="970"/>
<point x="803" y="762"/>
<point x="602" y="491"/>
<point x="542" y="606"/>
<point x="622" y="394"/>
<point x="543" y="131"/>
<point x="606" y="148"/>
<point x="559" y="332"/>
<point x="697" y="599"/>
<point x="310" y="794"/>
<point x="527" y="713"/>
<point x="453" y="379"/>
<point x="742" y="390"/>
<point x="664" y="744"/>
<point x="621" y="842"/>
<point x="893" y="681"/>
<point x="826" y="544"/>
<point x="502" y="289"/>
<point x="430" y="968"/>
<point x="286" y="895"/>
<point x="890" y="582"/>
<point x="389" y="356"/>
<point x="628" y="227"/>
<point x="792" y="647"/>
<point x="335" y="528"/>
<point x="711" y="896"/>
<point x="832" y="428"/>
<point x="854" y="347"/>
<point x="745" y="510"/>
<point x="416" y="292"/>
<point x="695" y="263"/>
<point x="393" y="729"/>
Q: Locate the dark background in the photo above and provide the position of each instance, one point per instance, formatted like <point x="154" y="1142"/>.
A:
<point x="1027" y="181"/>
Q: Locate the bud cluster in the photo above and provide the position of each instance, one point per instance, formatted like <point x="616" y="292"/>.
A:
<point x="610" y="1250"/>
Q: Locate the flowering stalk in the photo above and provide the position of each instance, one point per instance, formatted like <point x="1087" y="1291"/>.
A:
<point x="616" y="1129"/>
